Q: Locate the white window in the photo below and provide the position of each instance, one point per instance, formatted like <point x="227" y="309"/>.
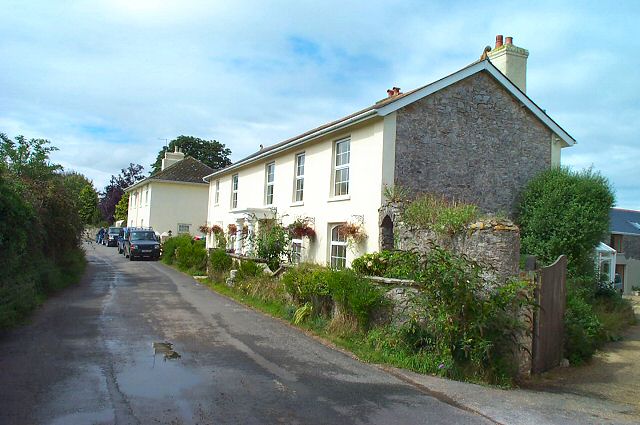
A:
<point x="234" y="191"/>
<point x="183" y="228"/>
<point x="146" y="196"/>
<point x="299" y="191"/>
<point x="341" y="168"/>
<point x="270" y="170"/>
<point x="296" y="251"/>
<point x="217" y="195"/>
<point x="338" y="253"/>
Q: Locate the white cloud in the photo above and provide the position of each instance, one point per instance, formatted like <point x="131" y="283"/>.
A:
<point x="109" y="78"/>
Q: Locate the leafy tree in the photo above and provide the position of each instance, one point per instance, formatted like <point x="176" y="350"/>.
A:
<point x="565" y="212"/>
<point x="28" y="159"/>
<point x="122" y="208"/>
<point x="210" y="152"/>
<point x="88" y="205"/>
<point x="114" y="191"/>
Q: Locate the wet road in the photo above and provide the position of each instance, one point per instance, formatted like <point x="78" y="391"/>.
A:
<point x="87" y="358"/>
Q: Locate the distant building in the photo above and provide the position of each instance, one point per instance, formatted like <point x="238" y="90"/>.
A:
<point x="624" y="237"/>
<point x="174" y="199"/>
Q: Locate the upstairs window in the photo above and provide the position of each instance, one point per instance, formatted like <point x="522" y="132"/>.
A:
<point x="183" y="228"/>
<point x="338" y="254"/>
<point x="270" y="170"/>
<point x="217" y="193"/>
<point x="616" y="243"/>
<point x="341" y="168"/>
<point x="234" y="191"/>
<point x="299" y="193"/>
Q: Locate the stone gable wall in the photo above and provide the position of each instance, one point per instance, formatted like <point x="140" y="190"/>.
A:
<point x="472" y="141"/>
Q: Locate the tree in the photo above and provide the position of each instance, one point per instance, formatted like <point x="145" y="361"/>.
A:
<point x="88" y="205"/>
<point x="27" y="159"/>
<point x="113" y="192"/>
<point x="565" y="212"/>
<point x="210" y="152"/>
<point x="122" y="208"/>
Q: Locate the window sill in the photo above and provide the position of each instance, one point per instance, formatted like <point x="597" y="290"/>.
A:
<point x="339" y="198"/>
<point x="297" y="204"/>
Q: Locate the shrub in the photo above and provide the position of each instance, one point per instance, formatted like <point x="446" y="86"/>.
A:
<point x="307" y="283"/>
<point x="219" y="260"/>
<point x="394" y="264"/>
<point x="272" y="243"/>
<point x="355" y="294"/>
<point x="582" y="328"/>
<point x="192" y="257"/>
<point x="248" y="269"/>
<point x="470" y="328"/>
<point x="565" y="212"/>
<point x="171" y="245"/>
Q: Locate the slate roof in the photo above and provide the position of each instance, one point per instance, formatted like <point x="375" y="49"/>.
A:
<point x="380" y="105"/>
<point x="188" y="170"/>
<point x="624" y="221"/>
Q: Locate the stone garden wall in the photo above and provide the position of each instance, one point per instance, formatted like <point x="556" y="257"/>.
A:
<point x="494" y="244"/>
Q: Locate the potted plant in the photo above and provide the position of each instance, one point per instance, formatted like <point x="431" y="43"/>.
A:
<point x="301" y="228"/>
<point x="353" y="232"/>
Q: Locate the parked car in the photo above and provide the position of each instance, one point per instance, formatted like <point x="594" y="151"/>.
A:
<point x="111" y="236"/>
<point x="141" y="243"/>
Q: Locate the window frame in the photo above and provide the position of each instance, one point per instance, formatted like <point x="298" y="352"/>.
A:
<point x="617" y="241"/>
<point x="216" y="198"/>
<point x="296" y="254"/>
<point x="335" y="261"/>
<point x="181" y="232"/>
<point x="340" y="168"/>
<point x="234" y="191"/>
<point x="299" y="178"/>
<point x="269" y="185"/>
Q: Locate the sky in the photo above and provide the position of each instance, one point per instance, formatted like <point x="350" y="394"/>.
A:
<point x="108" y="81"/>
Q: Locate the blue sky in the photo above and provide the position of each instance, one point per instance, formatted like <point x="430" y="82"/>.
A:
<point x="105" y="81"/>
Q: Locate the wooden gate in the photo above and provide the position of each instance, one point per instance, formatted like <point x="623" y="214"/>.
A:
<point x="548" y="322"/>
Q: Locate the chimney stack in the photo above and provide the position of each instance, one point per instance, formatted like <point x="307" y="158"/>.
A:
<point x="510" y="60"/>
<point x="171" y="158"/>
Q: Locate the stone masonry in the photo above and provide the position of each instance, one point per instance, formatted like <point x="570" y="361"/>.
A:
<point x="495" y="244"/>
<point x="472" y="141"/>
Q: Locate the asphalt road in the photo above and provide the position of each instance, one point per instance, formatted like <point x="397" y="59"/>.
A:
<point x="87" y="357"/>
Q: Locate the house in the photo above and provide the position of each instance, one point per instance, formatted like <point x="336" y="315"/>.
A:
<point x="174" y="199"/>
<point x="624" y="237"/>
<point x="473" y="135"/>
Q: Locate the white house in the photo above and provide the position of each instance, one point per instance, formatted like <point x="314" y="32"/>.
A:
<point x="472" y="135"/>
<point x="174" y="199"/>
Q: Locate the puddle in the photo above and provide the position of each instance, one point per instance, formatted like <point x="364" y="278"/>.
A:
<point x="166" y="349"/>
<point x="144" y="377"/>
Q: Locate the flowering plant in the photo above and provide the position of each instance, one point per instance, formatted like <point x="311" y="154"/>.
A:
<point x="301" y="228"/>
<point x="232" y="229"/>
<point x="353" y="232"/>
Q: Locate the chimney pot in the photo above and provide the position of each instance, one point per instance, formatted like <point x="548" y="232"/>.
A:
<point x="499" y="39"/>
<point x="396" y="91"/>
<point x="509" y="40"/>
<point x="390" y="92"/>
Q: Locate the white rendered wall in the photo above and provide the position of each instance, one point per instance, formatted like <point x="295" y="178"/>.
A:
<point x="169" y="204"/>
<point x="365" y="187"/>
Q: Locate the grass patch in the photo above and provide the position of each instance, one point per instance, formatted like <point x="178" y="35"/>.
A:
<point x="439" y="214"/>
<point x="615" y="314"/>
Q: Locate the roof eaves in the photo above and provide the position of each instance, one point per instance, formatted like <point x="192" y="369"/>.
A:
<point x="306" y="137"/>
<point x="474" y="68"/>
